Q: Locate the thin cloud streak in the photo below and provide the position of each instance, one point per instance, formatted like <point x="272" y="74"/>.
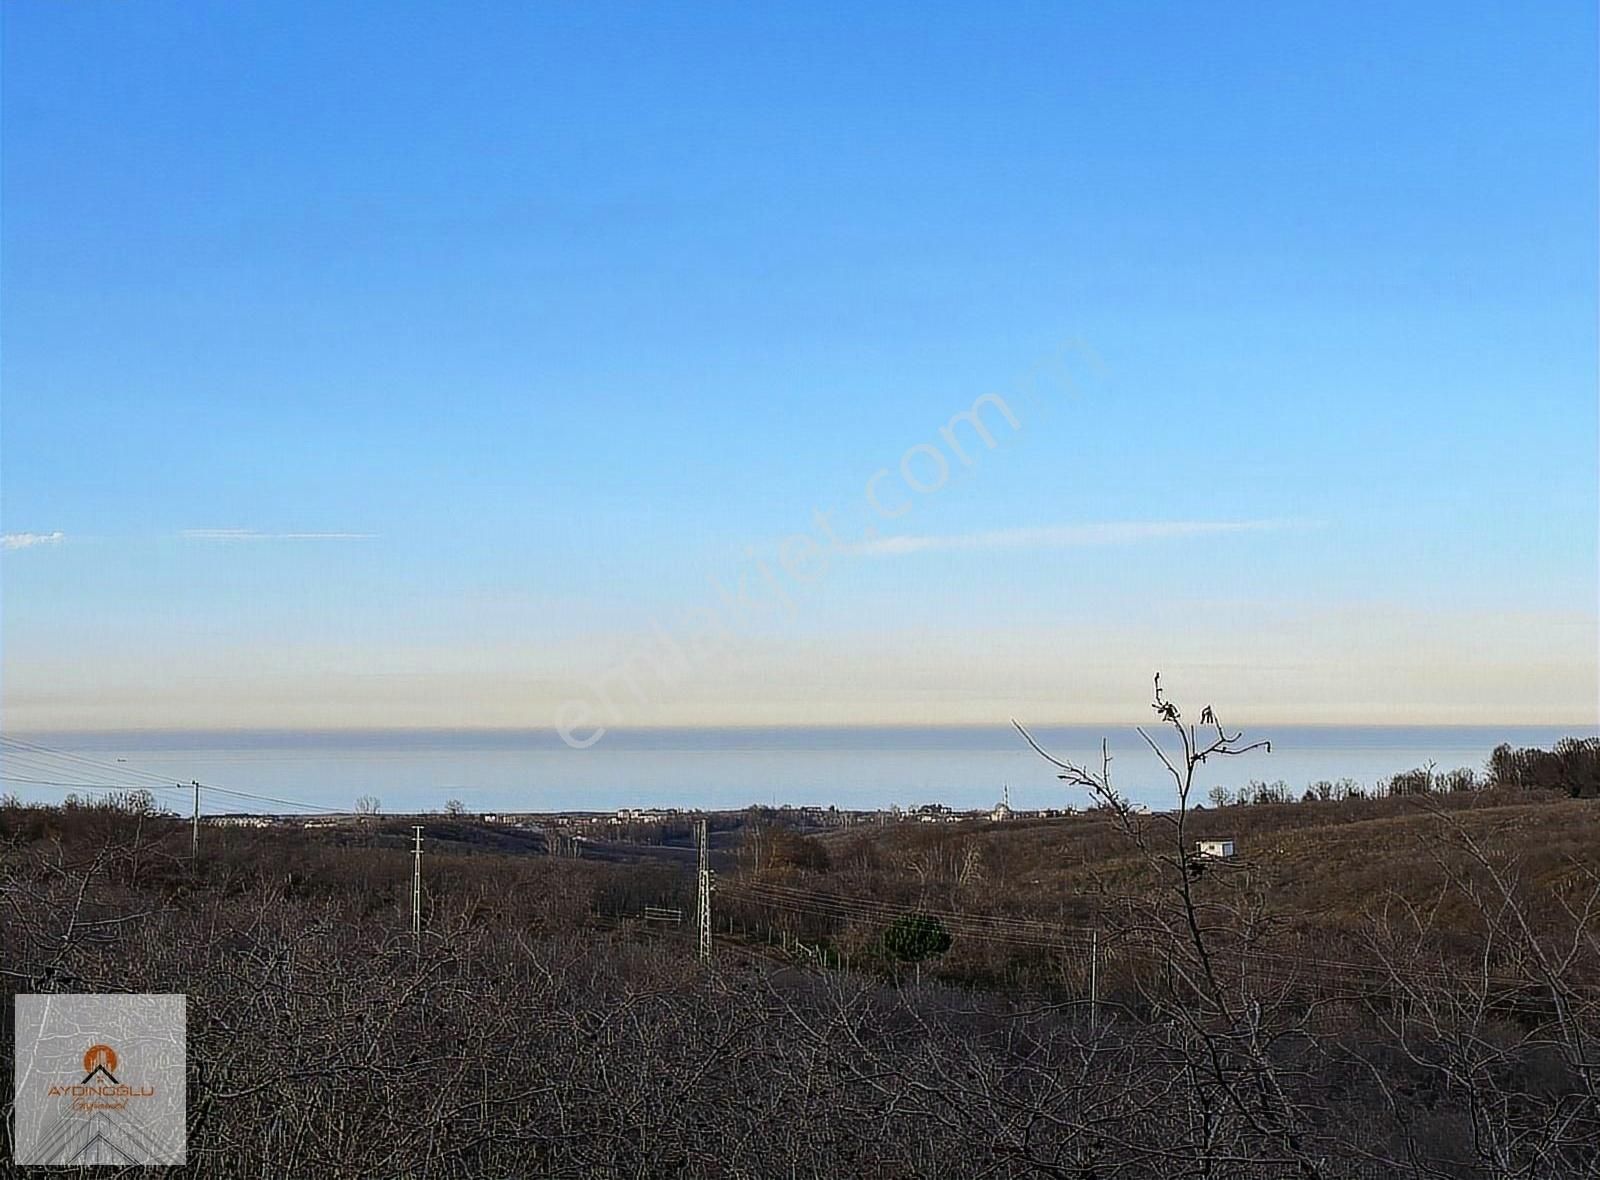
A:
<point x="253" y="535"/>
<point x="30" y="540"/>
<point x="1065" y="536"/>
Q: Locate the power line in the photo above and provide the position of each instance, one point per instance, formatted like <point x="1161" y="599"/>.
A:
<point x="212" y="788"/>
<point x="40" y="755"/>
<point x="1283" y="967"/>
<point x="121" y="770"/>
<point x="46" y="782"/>
<point x="300" y="803"/>
<point x="50" y="772"/>
<point x="972" y="926"/>
<point x="866" y="907"/>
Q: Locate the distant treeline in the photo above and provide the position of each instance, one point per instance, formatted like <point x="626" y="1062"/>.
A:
<point x="1571" y="768"/>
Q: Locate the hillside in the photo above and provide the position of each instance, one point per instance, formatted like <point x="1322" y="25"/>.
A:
<point x="1339" y="878"/>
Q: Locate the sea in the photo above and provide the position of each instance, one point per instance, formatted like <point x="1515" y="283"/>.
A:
<point x="418" y="771"/>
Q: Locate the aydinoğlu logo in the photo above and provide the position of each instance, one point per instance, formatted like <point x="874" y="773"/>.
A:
<point x="99" y="1079"/>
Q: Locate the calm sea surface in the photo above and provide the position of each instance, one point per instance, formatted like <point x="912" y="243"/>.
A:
<point x="859" y="768"/>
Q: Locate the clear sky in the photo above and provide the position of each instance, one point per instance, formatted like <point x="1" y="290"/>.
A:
<point x="372" y="364"/>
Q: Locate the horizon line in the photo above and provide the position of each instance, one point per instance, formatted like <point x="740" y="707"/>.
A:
<point x="784" y="726"/>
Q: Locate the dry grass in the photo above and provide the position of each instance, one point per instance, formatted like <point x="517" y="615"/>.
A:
<point x="1320" y="875"/>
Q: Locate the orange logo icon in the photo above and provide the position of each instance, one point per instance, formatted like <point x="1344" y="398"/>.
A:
<point x="100" y="1055"/>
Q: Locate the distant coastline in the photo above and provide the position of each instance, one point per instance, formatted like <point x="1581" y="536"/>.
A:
<point x="857" y="767"/>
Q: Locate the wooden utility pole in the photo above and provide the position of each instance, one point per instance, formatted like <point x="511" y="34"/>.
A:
<point x="195" y="834"/>
<point x="416" y="888"/>
<point x="705" y="890"/>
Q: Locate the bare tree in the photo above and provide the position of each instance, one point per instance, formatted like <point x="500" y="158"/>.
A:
<point x="1227" y="1027"/>
<point x="1514" y="1042"/>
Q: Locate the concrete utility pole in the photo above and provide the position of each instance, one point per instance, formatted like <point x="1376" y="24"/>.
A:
<point x="416" y="888"/>
<point x="195" y="836"/>
<point x="705" y="889"/>
<point x="1094" y="978"/>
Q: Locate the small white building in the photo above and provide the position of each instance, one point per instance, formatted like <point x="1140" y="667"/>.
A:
<point x="1221" y="849"/>
<point x="1001" y="812"/>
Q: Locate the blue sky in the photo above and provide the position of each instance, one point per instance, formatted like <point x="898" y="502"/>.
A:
<point x="554" y="315"/>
